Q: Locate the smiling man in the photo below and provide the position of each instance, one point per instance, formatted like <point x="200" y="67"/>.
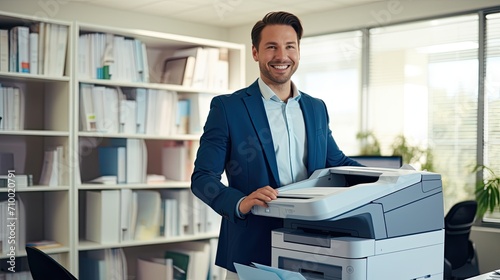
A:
<point x="264" y="136"/>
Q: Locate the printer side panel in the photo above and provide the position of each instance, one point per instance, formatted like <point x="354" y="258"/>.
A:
<point x="416" y="209"/>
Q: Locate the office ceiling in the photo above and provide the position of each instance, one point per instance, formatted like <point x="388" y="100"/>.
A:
<point x="224" y="13"/>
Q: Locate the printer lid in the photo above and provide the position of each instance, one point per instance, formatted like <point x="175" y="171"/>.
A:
<point x="326" y="193"/>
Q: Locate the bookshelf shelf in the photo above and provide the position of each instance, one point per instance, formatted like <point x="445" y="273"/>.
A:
<point x="33" y="77"/>
<point x="36" y="188"/>
<point x="162" y="185"/>
<point x="85" y="245"/>
<point x="125" y="84"/>
<point x="50" y="127"/>
<point x="57" y="250"/>
<point x="35" y="133"/>
<point x="138" y="136"/>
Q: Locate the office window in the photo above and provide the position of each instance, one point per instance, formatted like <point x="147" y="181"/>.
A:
<point x="423" y="84"/>
<point x="330" y="67"/>
<point x="492" y="94"/>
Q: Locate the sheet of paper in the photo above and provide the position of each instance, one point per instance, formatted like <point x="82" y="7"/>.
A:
<point x="252" y="273"/>
<point x="283" y="274"/>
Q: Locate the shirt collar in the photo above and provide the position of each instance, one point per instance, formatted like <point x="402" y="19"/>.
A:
<point x="268" y="93"/>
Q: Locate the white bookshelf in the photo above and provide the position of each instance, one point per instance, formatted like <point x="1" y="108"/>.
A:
<point x="52" y="118"/>
<point x="159" y="47"/>
<point x="47" y="112"/>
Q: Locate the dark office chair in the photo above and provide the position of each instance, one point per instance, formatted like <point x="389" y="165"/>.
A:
<point x="459" y="251"/>
<point x="43" y="267"/>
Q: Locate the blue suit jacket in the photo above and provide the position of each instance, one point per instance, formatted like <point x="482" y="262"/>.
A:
<point x="237" y="139"/>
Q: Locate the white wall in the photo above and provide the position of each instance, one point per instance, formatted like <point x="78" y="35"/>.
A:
<point x="74" y="10"/>
<point x="376" y="14"/>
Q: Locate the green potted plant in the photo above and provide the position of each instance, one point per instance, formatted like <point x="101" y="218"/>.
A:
<point x="413" y="154"/>
<point x="487" y="191"/>
<point x="369" y="143"/>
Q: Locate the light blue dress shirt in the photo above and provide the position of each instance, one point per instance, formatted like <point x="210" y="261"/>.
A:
<point x="289" y="135"/>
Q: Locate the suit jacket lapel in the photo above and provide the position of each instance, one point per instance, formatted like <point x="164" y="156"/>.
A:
<point x="308" y="113"/>
<point x="257" y="112"/>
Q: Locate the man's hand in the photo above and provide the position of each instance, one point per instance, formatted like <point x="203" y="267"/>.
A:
<point x="259" y="197"/>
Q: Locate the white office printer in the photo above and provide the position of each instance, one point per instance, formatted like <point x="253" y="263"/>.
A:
<point x="360" y="223"/>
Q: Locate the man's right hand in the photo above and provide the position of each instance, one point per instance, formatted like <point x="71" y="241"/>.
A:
<point x="259" y="197"/>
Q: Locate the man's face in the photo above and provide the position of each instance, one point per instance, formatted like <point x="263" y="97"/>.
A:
<point x="278" y="54"/>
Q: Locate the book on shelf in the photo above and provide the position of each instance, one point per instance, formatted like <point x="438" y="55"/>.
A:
<point x="204" y="61"/>
<point x="12" y="102"/>
<point x="99" y="106"/>
<point x="19" y="49"/>
<point x="169" y="218"/>
<point x="52" y="172"/>
<point x="155" y="269"/>
<point x="155" y="179"/>
<point x="102" y="216"/>
<point x="183" y="113"/>
<point x="13" y="244"/>
<point x="111" y="116"/>
<point x="33" y="53"/>
<point x="183" y="223"/>
<point x="128" y="116"/>
<point x="178" y="70"/>
<point x="199" y="106"/>
<point x="105" y="180"/>
<point x="147" y="225"/>
<point x="128" y="214"/>
<point x="39" y="28"/>
<point x="166" y="112"/>
<point x="175" y="160"/>
<point x="19" y="180"/>
<point x="136" y="159"/>
<point x="44" y="244"/>
<point x="139" y="95"/>
<point x="180" y="260"/>
<point x="113" y="162"/>
<point x="197" y="256"/>
<point x="87" y="112"/>
<point x="200" y="67"/>
<point x="4" y="50"/>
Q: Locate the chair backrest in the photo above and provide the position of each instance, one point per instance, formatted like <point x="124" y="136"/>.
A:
<point x="458" y="223"/>
<point x="43" y="267"/>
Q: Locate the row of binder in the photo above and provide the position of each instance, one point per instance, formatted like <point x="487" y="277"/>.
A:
<point x="114" y="216"/>
<point x="36" y="49"/>
<point x="112" y="57"/>
<point x="198" y="67"/>
<point x="13" y="233"/>
<point x="12" y="104"/>
<point x="130" y="111"/>
<point x="141" y="110"/>
<point x="190" y="260"/>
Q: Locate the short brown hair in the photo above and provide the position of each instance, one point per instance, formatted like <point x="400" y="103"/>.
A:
<point x="273" y="18"/>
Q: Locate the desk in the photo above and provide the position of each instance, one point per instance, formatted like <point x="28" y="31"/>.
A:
<point x="493" y="275"/>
